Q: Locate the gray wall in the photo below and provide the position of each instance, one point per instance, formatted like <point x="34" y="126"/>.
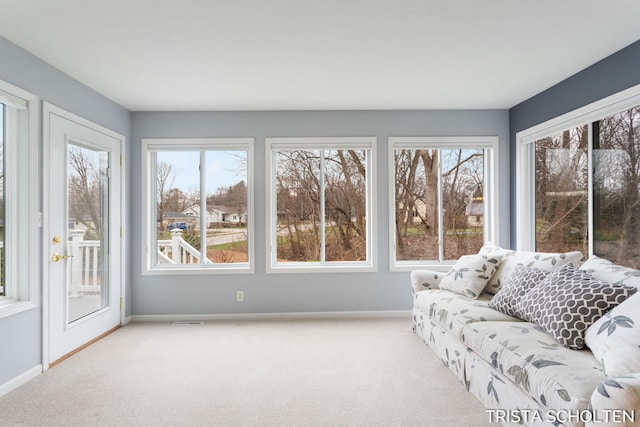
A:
<point x="613" y="74"/>
<point x="20" y="335"/>
<point x="278" y="293"/>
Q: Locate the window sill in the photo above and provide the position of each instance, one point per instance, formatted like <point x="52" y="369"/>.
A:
<point x="303" y="268"/>
<point x="185" y="270"/>
<point x="433" y="266"/>
<point x="11" y="307"/>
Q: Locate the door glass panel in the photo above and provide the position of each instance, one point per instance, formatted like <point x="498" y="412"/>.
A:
<point x="87" y="213"/>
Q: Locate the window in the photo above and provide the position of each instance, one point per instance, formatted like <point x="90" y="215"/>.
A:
<point x="582" y="174"/>
<point x="19" y="258"/>
<point x="441" y="199"/>
<point x="320" y="204"/>
<point x="199" y="205"/>
<point x="561" y="183"/>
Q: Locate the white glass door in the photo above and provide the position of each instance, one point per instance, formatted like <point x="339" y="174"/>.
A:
<point x="82" y="234"/>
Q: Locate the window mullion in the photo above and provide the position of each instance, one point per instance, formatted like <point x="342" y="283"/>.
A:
<point x="440" y="206"/>
<point x="590" y="192"/>
<point x="203" y="207"/>
<point x="322" y="209"/>
<point x="153" y="188"/>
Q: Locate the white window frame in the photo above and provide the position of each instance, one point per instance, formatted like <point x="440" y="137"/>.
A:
<point x="490" y="146"/>
<point x="320" y="143"/>
<point x="22" y="220"/>
<point x="525" y="168"/>
<point x="149" y="147"/>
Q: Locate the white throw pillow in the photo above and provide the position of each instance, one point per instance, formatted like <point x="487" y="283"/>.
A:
<point x="470" y="274"/>
<point x="511" y="259"/>
<point x="603" y="269"/>
<point x="615" y="339"/>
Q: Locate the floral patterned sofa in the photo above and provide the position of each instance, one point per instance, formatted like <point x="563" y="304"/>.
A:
<point x="538" y="338"/>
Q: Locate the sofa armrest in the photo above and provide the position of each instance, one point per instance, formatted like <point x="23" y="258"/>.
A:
<point x="616" y="401"/>
<point x="425" y="279"/>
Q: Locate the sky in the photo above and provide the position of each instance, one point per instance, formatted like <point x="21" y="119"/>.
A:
<point x="223" y="169"/>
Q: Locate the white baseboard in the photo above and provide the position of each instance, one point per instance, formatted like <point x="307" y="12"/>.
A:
<point x="20" y="380"/>
<point x="273" y="316"/>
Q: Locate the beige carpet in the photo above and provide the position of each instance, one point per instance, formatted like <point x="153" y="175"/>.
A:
<point x="338" y="372"/>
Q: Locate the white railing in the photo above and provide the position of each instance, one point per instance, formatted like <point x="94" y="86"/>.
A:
<point x="179" y="251"/>
<point x="84" y="273"/>
<point x="84" y="270"/>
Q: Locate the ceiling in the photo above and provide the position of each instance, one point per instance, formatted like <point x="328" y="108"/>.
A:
<point x="170" y="55"/>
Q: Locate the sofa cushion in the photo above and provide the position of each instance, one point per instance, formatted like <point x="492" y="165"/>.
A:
<point x="555" y="376"/>
<point x="470" y="274"/>
<point x="452" y="311"/>
<point x="511" y="259"/>
<point x="568" y="301"/>
<point x="518" y="284"/>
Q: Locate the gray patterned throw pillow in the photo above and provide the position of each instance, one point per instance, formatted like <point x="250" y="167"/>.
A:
<point x="568" y="301"/>
<point x="519" y="283"/>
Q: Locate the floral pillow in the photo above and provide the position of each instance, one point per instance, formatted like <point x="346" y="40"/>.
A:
<point x="615" y="339"/>
<point x="569" y="301"/>
<point x="470" y="274"/>
<point x="603" y="269"/>
<point x="519" y="283"/>
<point x="511" y="259"/>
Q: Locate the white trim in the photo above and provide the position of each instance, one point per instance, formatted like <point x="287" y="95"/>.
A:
<point x="492" y="205"/>
<point x="612" y="104"/>
<point x="49" y="109"/>
<point x="22" y="266"/>
<point x="525" y="203"/>
<point x="21" y="379"/>
<point x="320" y="143"/>
<point x="19" y="96"/>
<point x="273" y="316"/>
<point x="148" y="148"/>
<point x="368" y="143"/>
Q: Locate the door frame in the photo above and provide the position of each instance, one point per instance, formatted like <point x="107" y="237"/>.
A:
<point x="47" y="110"/>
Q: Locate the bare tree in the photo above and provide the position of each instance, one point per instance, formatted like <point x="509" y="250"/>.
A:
<point x="298" y="204"/>
<point x="617" y="186"/>
<point x="417" y="201"/>
<point x="164" y="181"/>
<point x="84" y="190"/>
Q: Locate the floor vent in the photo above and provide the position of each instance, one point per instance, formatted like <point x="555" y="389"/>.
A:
<point x="188" y="323"/>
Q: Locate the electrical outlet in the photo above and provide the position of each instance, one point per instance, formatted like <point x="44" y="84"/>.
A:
<point x="240" y="296"/>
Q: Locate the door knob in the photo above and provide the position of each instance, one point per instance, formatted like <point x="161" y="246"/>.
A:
<point x="57" y="257"/>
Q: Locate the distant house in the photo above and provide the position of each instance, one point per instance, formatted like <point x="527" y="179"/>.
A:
<point x="418" y="211"/>
<point x="475" y="212"/>
<point x="224" y="215"/>
<point x="217" y="216"/>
